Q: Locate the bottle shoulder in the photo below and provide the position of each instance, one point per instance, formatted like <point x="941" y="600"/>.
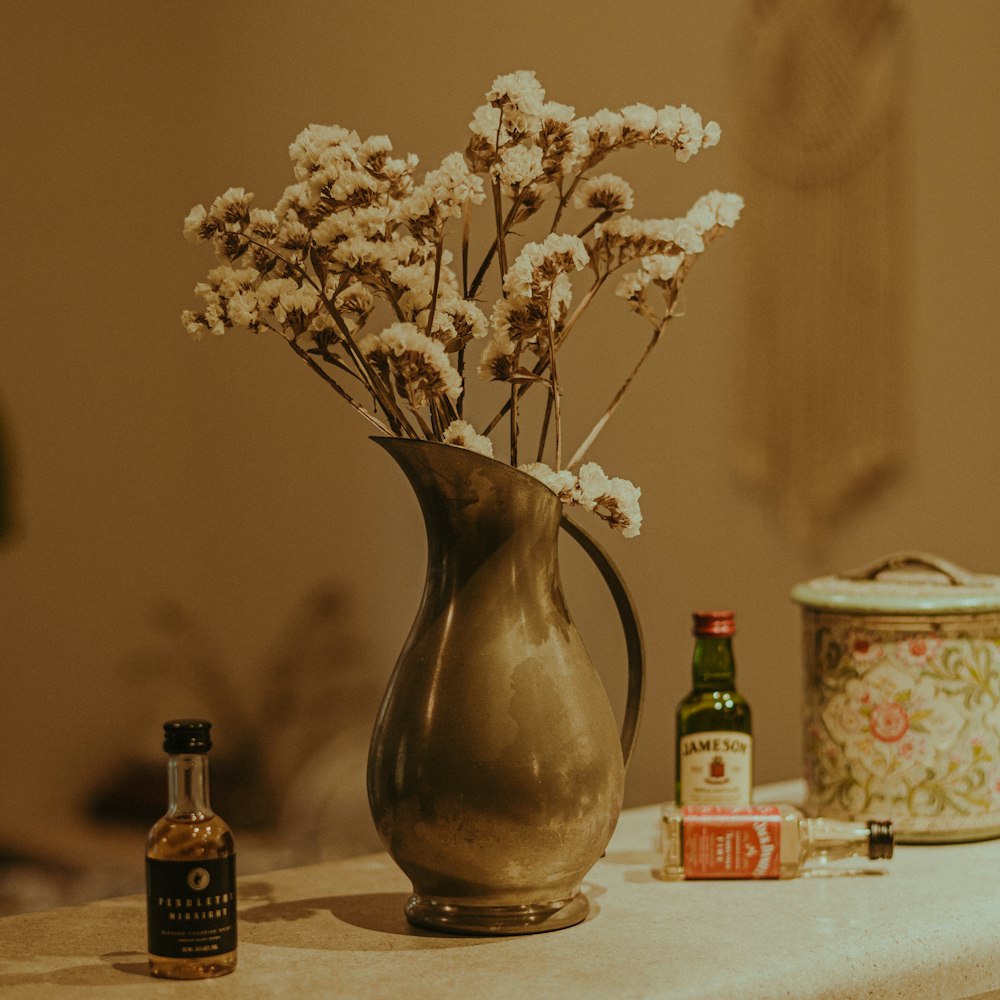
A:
<point x="706" y="709"/>
<point x="185" y="838"/>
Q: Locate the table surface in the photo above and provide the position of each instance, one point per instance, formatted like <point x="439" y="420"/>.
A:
<point x="927" y="927"/>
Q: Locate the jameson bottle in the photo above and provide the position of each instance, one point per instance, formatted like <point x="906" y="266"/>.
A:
<point x="190" y="868"/>
<point x="714" y="764"/>
<point x="762" y="841"/>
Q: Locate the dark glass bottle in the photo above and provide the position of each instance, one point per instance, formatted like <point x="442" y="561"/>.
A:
<point x="190" y="867"/>
<point x="714" y="745"/>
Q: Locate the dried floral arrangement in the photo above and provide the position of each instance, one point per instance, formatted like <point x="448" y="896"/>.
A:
<point x="356" y="237"/>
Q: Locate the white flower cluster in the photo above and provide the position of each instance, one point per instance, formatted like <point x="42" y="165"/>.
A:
<point x="517" y="132"/>
<point x="463" y="434"/>
<point x="417" y="365"/>
<point x="615" y="500"/>
<point x="356" y="236"/>
<point x="681" y="238"/>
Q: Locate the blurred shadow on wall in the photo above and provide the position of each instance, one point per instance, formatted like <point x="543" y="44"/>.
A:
<point x="292" y="784"/>
<point x="823" y="136"/>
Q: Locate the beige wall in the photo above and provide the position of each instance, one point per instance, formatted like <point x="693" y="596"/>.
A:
<point x="224" y="477"/>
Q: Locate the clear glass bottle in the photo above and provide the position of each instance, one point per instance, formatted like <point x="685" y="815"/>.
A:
<point x="190" y="867"/>
<point x="714" y="733"/>
<point x="762" y="841"/>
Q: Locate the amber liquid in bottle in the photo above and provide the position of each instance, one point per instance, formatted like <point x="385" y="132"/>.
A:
<point x="192" y="851"/>
<point x="714" y="745"/>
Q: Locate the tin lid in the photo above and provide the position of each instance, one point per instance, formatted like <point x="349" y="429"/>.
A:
<point x="903" y="583"/>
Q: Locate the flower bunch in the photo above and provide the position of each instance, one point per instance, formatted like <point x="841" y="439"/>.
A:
<point x="358" y="235"/>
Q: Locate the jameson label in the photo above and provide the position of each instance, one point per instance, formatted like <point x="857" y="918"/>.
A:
<point x="732" y="843"/>
<point x="716" y="768"/>
<point x="191" y="907"/>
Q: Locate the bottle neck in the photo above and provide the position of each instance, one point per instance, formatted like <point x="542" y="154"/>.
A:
<point x="713" y="666"/>
<point x="187" y="780"/>
<point x="831" y="840"/>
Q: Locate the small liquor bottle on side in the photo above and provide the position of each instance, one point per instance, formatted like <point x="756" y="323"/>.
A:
<point x="762" y="841"/>
<point x="190" y="868"/>
<point x="714" y="748"/>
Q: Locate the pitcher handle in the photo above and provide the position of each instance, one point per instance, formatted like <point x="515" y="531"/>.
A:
<point x="630" y="625"/>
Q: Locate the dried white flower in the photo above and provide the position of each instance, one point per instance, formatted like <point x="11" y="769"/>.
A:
<point x="563" y="483"/>
<point x="606" y="192"/>
<point x="519" y="91"/>
<point x="463" y="434"/>
<point x="538" y="264"/>
<point x="355" y="233"/>
<point x="716" y="208"/>
<point x="638" y="119"/>
<point x="517" y="167"/>
<point x="418" y="364"/>
<point x="614" y="500"/>
<point x="632" y="288"/>
<point x="194" y="224"/>
<point x="498" y="362"/>
<point x="314" y="142"/>
<point x="661" y="268"/>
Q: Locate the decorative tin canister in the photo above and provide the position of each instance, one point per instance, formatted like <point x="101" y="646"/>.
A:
<point x="902" y="697"/>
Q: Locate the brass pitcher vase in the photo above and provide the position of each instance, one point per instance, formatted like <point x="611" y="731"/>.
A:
<point x="496" y="768"/>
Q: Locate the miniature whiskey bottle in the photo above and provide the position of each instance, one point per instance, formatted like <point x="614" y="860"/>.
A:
<point x="762" y="841"/>
<point x="190" y="867"/>
<point x="714" y="741"/>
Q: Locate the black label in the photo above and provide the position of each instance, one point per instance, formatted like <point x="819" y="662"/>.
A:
<point x="191" y="907"/>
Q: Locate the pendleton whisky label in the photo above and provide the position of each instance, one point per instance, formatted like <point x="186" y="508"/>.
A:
<point x="191" y="907"/>
<point x="732" y="843"/>
<point x="716" y="768"/>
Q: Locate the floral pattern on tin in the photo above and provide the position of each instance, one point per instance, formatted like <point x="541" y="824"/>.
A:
<point x="904" y="723"/>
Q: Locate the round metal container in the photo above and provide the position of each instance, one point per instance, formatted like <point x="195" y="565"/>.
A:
<point x="902" y="697"/>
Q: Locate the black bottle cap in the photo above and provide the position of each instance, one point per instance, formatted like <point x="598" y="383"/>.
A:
<point x="879" y="839"/>
<point x="187" y="736"/>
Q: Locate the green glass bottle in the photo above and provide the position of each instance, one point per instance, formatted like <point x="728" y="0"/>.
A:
<point x="714" y="762"/>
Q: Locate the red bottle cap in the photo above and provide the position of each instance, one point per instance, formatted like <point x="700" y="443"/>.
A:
<point x="714" y="623"/>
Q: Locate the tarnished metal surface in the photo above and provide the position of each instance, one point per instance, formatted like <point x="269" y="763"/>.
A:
<point x="496" y="772"/>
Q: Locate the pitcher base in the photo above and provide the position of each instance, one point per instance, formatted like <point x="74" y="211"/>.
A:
<point x="529" y="918"/>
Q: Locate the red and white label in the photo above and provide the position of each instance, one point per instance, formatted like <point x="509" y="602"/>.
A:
<point x="722" y="842"/>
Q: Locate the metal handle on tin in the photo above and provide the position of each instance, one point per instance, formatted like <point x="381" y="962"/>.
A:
<point x="634" y="649"/>
<point x="898" y="560"/>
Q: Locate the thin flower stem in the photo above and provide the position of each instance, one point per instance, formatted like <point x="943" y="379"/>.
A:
<point x="599" y="426"/>
<point x="437" y="281"/>
<point x="501" y="232"/>
<point x="488" y="258"/>
<point x="513" y="424"/>
<point x="390" y="293"/>
<point x="579" y="310"/>
<point x="564" y="201"/>
<point x="541" y="365"/>
<point x="380" y="389"/>
<point x="316" y="367"/>
<point x="428" y="433"/>
<point x="601" y="218"/>
<point x="554" y="391"/>
<point x="375" y="385"/>
<point x="466" y="232"/>
<point x="545" y="428"/>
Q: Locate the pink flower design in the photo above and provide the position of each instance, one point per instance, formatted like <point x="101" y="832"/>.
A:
<point x="918" y="650"/>
<point x="864" y="647"/>
<point x="889" y="722"/>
